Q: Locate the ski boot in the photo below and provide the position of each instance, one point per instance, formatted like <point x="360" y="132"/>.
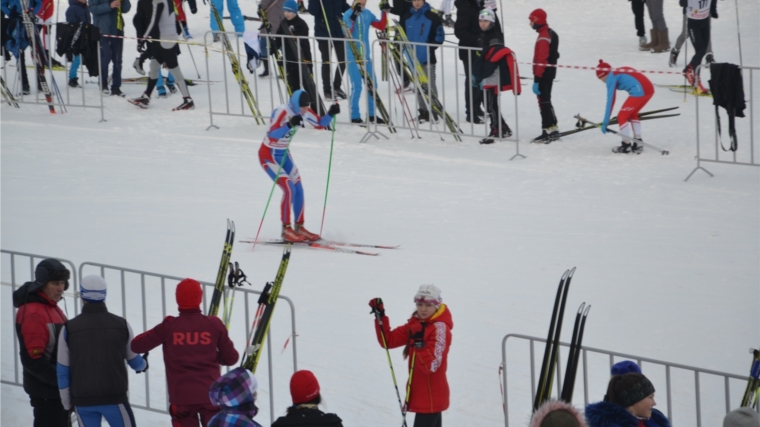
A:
<point x="117" y="92"/>
<point x="624" y="148"/>
<point x="554" y="133"/>
<point x="162" y="95"/>
<point x="339" y="94"/>
<point x="448" y="22"/>
<point x="709" y="58"/>
<point x="307" y="235"/>
<point x="544" y="138"/>
<point x="141" y="102"/>
<point x="265" y="65"/>
<point x="74" y="83"/>
<point x="377" y="120"/>
<point x="290" y="235"/>
<point x="642" y="40"/>
<point x="636" y="148"/>
<point x="688" y="72"/>
<point x="673" y="57"/>
<point x="187" y="104"/>
<point x="506" y="132"/>
<point x="172" y="88"/>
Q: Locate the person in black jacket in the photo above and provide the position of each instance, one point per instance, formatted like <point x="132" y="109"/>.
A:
<point x="92" y="347"/>
<point x="332" y="10"/>
<point x="301" y="54"/>
<point x="304" y="389"/>
<point x="77" y="13"/>
<point x="467" y="30"/>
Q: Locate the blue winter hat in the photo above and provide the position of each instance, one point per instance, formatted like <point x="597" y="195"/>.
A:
<point x="93" y="289"/>
<point x="625" y="367"/>
<point x="290" y="6"/>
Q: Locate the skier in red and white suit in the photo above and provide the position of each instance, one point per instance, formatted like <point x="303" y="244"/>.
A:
<point x="277" y="162"/>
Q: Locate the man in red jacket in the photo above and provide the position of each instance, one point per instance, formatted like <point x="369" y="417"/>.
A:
<point x="38" y="323"/>
<point x="545" y="55"/>
<point x="194" y="347"/>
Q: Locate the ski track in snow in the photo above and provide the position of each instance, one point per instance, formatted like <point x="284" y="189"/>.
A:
<point x="670" y="268"/>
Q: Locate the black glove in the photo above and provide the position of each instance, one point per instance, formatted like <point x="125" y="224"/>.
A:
<point x="419" y="338"/>
<point x="145" y="356"/>
<point x="714" y="15"/>
<point x="385" y="6"/>
<point x="377" y="306"/>
<point x="334" y="110"/>
<point x="357" y="11"/>
<point x="141" y="46"/>
<point x="295" y="121"/>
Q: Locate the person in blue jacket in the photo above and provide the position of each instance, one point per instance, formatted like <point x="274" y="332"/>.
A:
<point x="359" y="19"/>
<point x="327" y="15"/>
<point x="77" y="13"/>
<point x="422" y="25"/>
<point x="18" y="38"/>
<point x="108" y="16"/>
<point x="629" y="402"/>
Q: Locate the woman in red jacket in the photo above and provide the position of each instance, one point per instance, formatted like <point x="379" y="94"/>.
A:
<point x="426" y="338"/>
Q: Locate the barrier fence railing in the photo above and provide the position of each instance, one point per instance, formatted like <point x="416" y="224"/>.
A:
<point x="596" y="376"/>
<point x="745" y="153"/>
<point x="130" y="287"/>
<point x="70" y="96"/>
<point x="274" y="90"/>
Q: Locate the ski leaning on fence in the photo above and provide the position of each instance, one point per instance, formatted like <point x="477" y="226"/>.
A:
<point x="235" y="64"/>
<point x="263" y="317"/>
<point x="39" y="57"/>
<point x="752" y="393"/>
<point x="216" y="298"/>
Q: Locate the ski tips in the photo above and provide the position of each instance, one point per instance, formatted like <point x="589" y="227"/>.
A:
<point x="585" y="312"/>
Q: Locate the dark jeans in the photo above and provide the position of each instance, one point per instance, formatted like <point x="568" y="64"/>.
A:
<point x="110" y="51"/>
<point x="494" y="113"/>
<point x="428" y="420"/>
<point x="49" y="413"/>
<point x="325" y="48"/>
<point x="548" y="119"/>
<point x="699" y="34"/>
<point x="477" y="95"/>
<point x="638" y="13"/>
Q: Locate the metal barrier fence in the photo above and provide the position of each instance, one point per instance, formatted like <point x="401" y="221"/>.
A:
<point x="69" y="95"/>
<point x="122" y="292"/>
<point x="747" y="149"/>
<point x="230" y="101"/>
<point x="596" y="377"/>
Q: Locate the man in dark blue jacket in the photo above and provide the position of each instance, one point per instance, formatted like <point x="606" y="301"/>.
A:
<point x="77" y="13"/>
<point x="108" y="16"/>
<point x="422" y="25"/>
<point x="327" y="15"/>
<point x="18" y="39"/>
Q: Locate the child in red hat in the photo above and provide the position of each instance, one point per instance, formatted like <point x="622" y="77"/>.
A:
<point x="195" y="346"/>
<point x="304" y="389"/>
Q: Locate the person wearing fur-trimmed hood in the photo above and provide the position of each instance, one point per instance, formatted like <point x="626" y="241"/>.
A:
<point x="557" y="413"/>
<point x="629" y="402"/>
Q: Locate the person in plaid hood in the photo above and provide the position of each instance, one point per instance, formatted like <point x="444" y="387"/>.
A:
<point x="235" y="393"/>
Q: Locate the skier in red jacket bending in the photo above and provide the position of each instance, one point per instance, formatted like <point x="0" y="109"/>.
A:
<point x="194" y="347"/>
<point x="426" y="338"/>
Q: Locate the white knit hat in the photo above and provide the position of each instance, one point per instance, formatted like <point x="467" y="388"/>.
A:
<point x="428" y="293"/>
<point x="93" y="289"/>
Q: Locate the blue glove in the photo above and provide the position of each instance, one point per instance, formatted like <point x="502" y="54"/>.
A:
<point x="535" y="89"/>
<point x="473" y="80"/>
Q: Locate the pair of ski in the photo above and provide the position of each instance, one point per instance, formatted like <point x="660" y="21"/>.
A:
<point x="39" y="55"/>
<point x="551" y="352"/>
<point x="626" y="138"/>
<point x="329" y="245"/>
<point x="420" y="79"/>
<point x="647" y="115"/>
<point x="366" y="74"/>
<point x="689" y="89"/>
<point x="752" y="392"/>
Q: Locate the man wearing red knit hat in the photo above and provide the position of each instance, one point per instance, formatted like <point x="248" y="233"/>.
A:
<point x="545" y="56"/>
<point x="194" y="347"/>
<point x="304" y="389"/>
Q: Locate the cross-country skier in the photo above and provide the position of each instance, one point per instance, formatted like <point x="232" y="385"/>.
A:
<point x="545" y="52"/>
<point x="277" y="162"/>
<point x="640" y="91"/>
<point x="165" y="52"/>
<point x="359" y="20"/>
<point x="698" y="13"/>
<point x="426" y="338"/>
<point x="709" y="58"/>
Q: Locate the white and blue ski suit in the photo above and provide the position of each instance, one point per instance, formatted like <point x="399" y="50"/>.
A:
<point x="359" y="30"/>
<point x="276" y="160"/>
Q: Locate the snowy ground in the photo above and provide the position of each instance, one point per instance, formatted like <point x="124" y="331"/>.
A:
<point x="672" y="269"/>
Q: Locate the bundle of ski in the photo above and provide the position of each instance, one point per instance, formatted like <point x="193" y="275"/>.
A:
<point x="546" y="377"/>
<point x="236" y="70"/>
<point x="420" y="78"/>
<point x="216" y="298"/>
<point x="307" y="78"/>
<point x="367" y="76"/>
<point x="397" y="81"/>
<point x="263" y="317"/>
<point x="38" y="55"/>
<point x="574" y="354"/>
<point x="752" y="392"/>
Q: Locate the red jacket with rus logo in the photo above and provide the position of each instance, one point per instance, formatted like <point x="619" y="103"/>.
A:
<point x="195" y="346"/>
<point x="429" y="391"/>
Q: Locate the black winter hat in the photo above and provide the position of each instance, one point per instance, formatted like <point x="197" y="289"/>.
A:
<point x="629" y="389"/>
<point x="51" y="269"/>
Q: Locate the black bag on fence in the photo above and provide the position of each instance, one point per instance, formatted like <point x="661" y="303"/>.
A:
<point x="727" y="88"/>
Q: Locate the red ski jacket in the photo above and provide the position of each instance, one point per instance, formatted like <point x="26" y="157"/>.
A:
<point x="195" y="346"/>
<point x="545" y="52"/>
<point x="429" y="391"/>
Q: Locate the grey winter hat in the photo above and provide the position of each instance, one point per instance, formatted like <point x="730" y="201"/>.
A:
<point x="630" y="389"/>
<point x="742" y="417"/>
